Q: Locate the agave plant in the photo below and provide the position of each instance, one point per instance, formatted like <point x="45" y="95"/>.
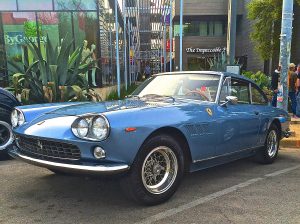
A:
<point x="219" y="62"/>
<point x="56" y="78"/>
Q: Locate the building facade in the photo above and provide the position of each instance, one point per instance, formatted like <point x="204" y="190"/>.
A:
<point x="83" y="21"/>
<point x="205" y="36"/>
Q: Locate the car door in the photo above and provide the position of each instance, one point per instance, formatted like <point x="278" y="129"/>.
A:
<point x="238" y="122"/>
<point x="260" y="105"/>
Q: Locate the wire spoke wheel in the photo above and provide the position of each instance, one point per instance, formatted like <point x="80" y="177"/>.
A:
<point x="272" y="143"/>
<point x="159" y="170"/>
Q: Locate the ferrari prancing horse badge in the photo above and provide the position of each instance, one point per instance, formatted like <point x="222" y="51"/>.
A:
<point x="209" y="111"/>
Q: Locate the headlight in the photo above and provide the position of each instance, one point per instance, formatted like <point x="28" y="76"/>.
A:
<point x="17" y="118"/>
<point x="99" y="128"/>
<point x="80" y="128"/>
<point x="92" y="127"/>
<point x="14" y="118"/>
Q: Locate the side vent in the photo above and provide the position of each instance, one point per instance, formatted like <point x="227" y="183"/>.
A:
<point x="197" y="129"/>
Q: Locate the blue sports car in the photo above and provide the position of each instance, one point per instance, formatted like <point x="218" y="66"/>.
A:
<point x="171" y="124"/>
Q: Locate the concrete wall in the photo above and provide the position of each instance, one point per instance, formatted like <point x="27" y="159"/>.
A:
<point x="244" y="45"/>
<point x="206" y="7"/>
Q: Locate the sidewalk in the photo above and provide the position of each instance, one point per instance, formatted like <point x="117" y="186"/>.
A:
<point x="294" y="140"/>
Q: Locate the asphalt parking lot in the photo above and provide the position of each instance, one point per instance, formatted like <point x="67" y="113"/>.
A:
<point x="239" y="192"/>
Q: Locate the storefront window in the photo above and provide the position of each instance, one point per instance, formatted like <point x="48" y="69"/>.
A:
<point x="211" y="28"/>
<point x="19" y="27"/>
<point x="219" y="29"/>
<point x="29" y="5"/>
<point x="201" y="28"/>
<point x="8" y="5"/>
<point x="75" y="5"/>
<point x="198" y="63"/>
<point x="56" y="19"/>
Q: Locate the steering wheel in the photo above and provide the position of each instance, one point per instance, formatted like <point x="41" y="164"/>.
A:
<point x="197" y="93"/>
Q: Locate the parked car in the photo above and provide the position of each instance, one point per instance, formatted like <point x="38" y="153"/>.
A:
<point x="171" y="124"/>
<point x="7" y="103"/>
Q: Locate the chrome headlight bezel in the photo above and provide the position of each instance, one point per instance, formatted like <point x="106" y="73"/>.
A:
<point x="80" y="128"/>
<point x="91" y="121"/>
<point x="17" y="118"/>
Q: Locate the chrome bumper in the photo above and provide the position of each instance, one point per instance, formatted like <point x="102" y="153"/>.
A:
<point x="287" y="133"/>
<point x="71" y="168"/>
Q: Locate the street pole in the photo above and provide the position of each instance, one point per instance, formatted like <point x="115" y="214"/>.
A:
<point x="165" y="46"/>
<point x="129" y="47"/>
<point x="117" y="51"/>
<point x="231" y="33"/>
<point x="160" y="51"/>
<point x="285" y="47"/>
<point x="125" y="47"/>
<point x="171" y="34"/>
<point x="111" y="51"/>
<point x="181" y="35"/>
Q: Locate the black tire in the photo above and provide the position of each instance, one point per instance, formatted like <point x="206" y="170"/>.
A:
<point x="6" y="135"/>
<point x="265" y="155"/>
<point x="134" y="186"/>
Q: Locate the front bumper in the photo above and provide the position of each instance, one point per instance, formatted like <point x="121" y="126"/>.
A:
<point x="71" y="168"/>
<point x="286" y="133"/>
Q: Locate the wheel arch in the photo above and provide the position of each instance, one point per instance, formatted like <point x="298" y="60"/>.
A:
<point x="277" y="123"/>
<point x="177" y="135"/>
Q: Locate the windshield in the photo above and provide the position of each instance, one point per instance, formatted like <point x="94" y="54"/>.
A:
<point x="193" y="86"/>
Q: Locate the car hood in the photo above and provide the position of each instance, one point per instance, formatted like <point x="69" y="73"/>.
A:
<point x="102" y="107"/>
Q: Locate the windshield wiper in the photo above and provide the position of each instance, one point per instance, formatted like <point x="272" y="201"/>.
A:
<point x="158" y="96"/>
<point x="132" y="96"/>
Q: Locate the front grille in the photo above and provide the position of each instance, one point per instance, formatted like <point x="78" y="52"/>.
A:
<point x="48" y="149"/>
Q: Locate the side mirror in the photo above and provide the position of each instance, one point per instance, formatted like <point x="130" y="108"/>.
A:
<point x="230" y="99"/>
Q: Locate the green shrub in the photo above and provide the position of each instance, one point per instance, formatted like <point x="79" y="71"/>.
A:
<point x="261" y="79"/>
<point x="58" y="77"/>
<point x="114" y="95"/>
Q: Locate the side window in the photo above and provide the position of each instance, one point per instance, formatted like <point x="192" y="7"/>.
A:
<point x="240" y="89"/>
<point x="226" y="89"/>
<point x="257" y="96"/>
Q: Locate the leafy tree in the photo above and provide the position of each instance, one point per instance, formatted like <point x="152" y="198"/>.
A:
<point x="266" y="15"/>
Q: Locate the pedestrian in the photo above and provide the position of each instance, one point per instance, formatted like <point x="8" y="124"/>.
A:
<point x="292" y="82"/>
<point x="274" y="85"/>
<point x="298" y="91"/>
<point x="147" y="71"/>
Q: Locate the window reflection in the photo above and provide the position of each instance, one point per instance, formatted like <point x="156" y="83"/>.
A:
<point x="74" y="4"/>
<point x="35" y="5"/>
<point x="8" y="5"/>
<point x="56" y="19"/>
<point x="19" y="27"/>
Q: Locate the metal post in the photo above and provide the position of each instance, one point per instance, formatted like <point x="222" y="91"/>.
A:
<point x="161" y="53"/>
<point x="181" y="35"/>
<point x="125" y="47"/>
<point x="285" y="47"/>
<point x="111" y="51"/>
<point x="129" y="46"/>
<point x="231" y="33"/>
<point x="171" y="35"/>
<point x="165" y="46"/>
<point x="117" y="48"/>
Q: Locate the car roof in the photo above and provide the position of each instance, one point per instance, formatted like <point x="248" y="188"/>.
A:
<point x="209" y="73"/>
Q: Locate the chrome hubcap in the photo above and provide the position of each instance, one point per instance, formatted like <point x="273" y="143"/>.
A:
<point x="159" y="170"/>
<point x="272" y="143"/>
